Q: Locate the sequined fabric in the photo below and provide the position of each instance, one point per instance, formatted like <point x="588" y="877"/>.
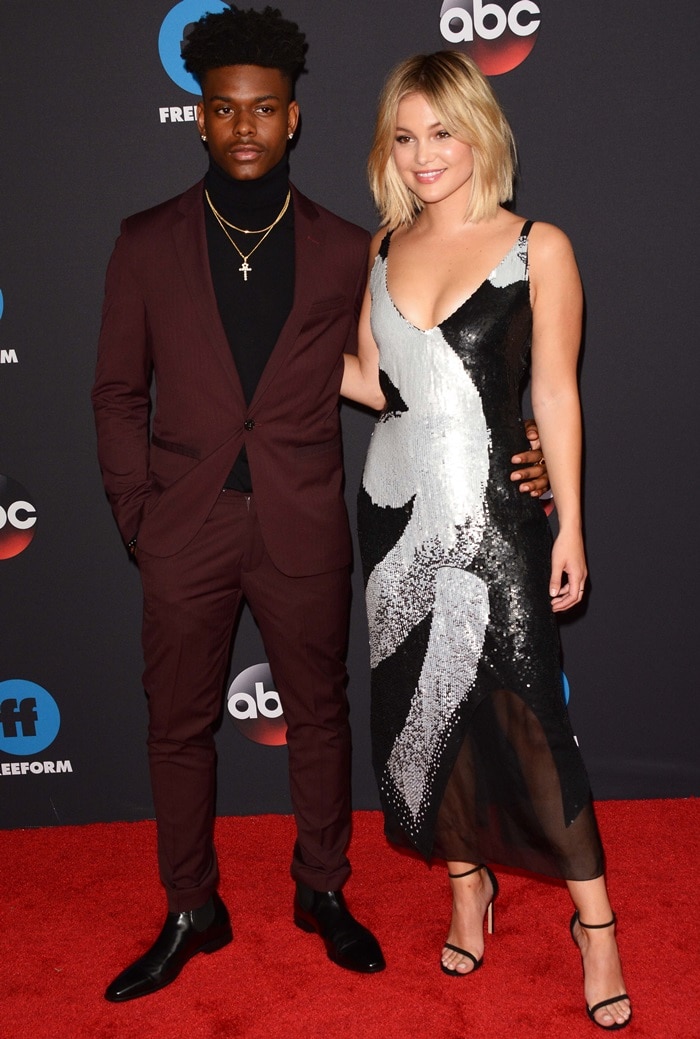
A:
<point x="472" y="745"/>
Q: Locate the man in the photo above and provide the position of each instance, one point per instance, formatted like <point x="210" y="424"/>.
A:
<point x="238" y="298"/>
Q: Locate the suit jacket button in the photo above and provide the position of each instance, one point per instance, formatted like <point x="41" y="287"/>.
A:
<point x="249" y="424"/>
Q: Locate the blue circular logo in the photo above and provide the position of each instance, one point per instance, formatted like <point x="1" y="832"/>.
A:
<point x="172" y="35"/>
<point x="2" y="303"/>
<point x="29" y="717"/>
<point x="566" y="691"/>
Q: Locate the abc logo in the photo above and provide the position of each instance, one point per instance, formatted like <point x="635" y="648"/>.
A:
<point x="497" y="36"/>
<point x="17" y="518"/>
<point x="255" y="706"/>
<point x="173" y="32"/>
<point x="29" y="717"/>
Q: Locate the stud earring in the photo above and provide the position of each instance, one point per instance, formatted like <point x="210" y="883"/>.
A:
<point x="203" y="136"/>
<point x="289" y="136"/>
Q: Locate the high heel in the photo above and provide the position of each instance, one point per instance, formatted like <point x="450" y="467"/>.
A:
<point x="489" y="923"/>
<point x="591" y="1011"/>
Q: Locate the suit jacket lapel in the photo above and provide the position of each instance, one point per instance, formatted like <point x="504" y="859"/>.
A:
<point x="306" y="248"/>
<point x="191" y="247"/>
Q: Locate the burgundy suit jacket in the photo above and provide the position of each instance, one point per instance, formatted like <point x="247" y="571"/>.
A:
<point x="165" y="460"/>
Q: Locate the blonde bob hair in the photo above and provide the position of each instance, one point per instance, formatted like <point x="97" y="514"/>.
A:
<point x="463" y="101"/>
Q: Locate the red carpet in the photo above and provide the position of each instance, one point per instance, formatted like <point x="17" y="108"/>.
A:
<point x="79" y="902"/>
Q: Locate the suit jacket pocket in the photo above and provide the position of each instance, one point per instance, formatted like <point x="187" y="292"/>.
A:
<point x="328" y="303"/>
<point x="325" y="447"/>
<point x="177" y="449"/>
<point x="168" y="463"/>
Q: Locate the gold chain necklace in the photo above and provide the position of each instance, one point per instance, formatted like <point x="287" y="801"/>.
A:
<point x="234" y="227"/>
<point x="245" y="269"/>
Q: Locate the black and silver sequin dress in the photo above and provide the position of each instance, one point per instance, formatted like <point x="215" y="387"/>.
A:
<point x="472" y="745"/>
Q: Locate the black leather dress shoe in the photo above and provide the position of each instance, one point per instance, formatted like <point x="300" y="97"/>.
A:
<point x="184" y="935"/>
<point x="347" y="942"/>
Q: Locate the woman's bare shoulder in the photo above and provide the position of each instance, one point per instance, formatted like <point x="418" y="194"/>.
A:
<point x="549" y="241"/>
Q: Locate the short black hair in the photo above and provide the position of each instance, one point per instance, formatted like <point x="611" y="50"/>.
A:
<point x="249" y="37"/>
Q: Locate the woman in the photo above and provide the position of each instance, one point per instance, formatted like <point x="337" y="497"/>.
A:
<point x="474" y="753"/>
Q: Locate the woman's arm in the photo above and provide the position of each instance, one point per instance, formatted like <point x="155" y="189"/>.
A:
<point x="361" y="375"/>
<point x="557" y="305"/>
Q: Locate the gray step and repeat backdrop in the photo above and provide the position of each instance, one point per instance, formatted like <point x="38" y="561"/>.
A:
<point x="97" y="122"/>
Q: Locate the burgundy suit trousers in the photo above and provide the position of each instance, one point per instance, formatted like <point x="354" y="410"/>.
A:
<point x="191" y="604"/>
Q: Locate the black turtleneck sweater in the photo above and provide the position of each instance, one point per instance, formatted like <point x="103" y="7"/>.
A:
<point x="253" y="311"/>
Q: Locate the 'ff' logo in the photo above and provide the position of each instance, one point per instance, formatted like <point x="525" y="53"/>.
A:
<point x="25" y="713"/>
